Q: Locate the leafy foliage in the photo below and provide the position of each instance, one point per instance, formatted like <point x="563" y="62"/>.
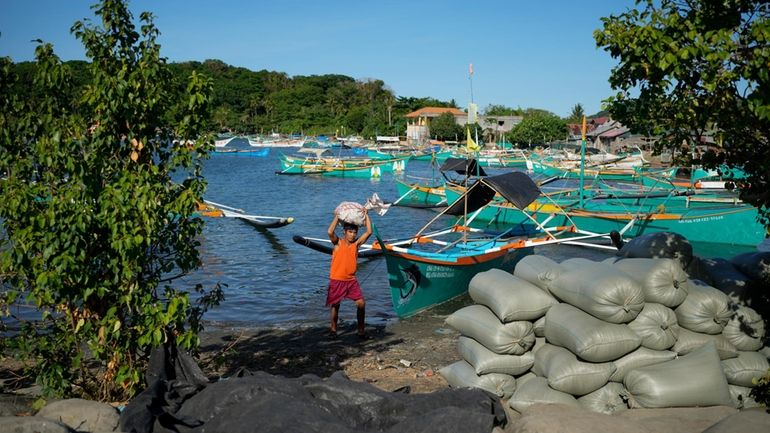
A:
<point x="502" y="110"/>
<point x="688" y="68"/>
<point x="538" y="127"/>
<point x="444" y="127"/>
<point x="576" y="116"/>
<point x="101" y="181"/>
<point x="246" y="101"/>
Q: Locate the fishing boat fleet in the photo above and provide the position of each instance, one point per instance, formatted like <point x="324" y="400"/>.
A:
<point x="594" y="199"/>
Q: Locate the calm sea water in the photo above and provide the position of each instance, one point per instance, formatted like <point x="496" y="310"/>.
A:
<point x="272" y="281"/>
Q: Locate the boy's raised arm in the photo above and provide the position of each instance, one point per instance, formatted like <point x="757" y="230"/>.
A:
<point x="368" y="231"/>
<point x="333" y="236"/>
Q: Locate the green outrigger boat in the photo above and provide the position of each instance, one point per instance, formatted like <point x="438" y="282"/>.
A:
<point x="718" y="218"/>
<point x="420" y="195"/>
<point x="431" y="268"/>
<point x="341" y="167"/>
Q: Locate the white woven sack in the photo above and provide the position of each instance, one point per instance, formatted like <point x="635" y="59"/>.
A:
<point x="586" y="336"/>
<point x="746" y="367"/>
<point x="640" y="357"/>
<point x="509" y="297"/>
<point x="536" y="390"/>
<point x="692" y="380"/>
<point x="520" y="380"/>
<point x="481" y="324"/>
<point x="538" y="270"/>
<point x="609" y="399"/>
<point x="566" y="374"/>
<point x="539" y="327"/>
<point x="461" y="375"/>
<point x="656" y="325"/>
<point x="600" y="290"/>
<point x="350" y="212"/>
<point x="485" y="361"/>
<point x="741" y="397"/>
<point x="745" y="329"/>
<point x="705" y="310"/>
<point x="576" y="263"/>
<point x="689" y="341"/>
<point x="663" y="281"/>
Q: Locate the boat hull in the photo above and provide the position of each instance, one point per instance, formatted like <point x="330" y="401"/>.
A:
<point x="367" y="169"/>
<point x="700" y="218"/>
<point x="418" y="283"/>
<point x="420" y="196"/>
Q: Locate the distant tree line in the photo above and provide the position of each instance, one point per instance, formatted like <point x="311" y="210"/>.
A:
<point x="248" y="102"/>
<point x="261" y="102"/>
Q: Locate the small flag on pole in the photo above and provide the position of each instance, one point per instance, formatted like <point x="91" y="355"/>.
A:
<point x="470" y="69"/>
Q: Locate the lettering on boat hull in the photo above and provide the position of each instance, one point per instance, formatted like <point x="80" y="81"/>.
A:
<point x="701" y="220"/>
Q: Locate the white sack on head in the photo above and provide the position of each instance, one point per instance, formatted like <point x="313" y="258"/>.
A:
<point x="481" y="324"/>
<point x="705" y="309"/>
<point x="509" y="297"/>
<point x="485" y="361"/>
<point x="689" y="341"/>
<point x="586" y="336"/>
<point x="566" y="374"/>
<point x="600" y="290"/>
<point x="743" y="369"/>
<point x="461" y="375"/>
<point x="657" y="326"/>
<point x="663" y="281"/>
<point x="741" y="397"/>
<point x="692" y="380"/>
<point x="640" y="357"/>
<point x="745" y="330"/>
<point x="611" y="398"/>
<point x="538" y="270"/>
<point x="536" y="390"/>
<point x="350" y="212"/>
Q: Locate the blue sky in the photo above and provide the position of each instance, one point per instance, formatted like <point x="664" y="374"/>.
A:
<point x="524" y="54"/>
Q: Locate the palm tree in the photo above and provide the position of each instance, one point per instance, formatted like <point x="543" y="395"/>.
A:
<point x="577" y="113"/>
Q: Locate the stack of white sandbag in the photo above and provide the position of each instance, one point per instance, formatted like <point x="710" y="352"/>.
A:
<point x="584" y="335"/>
<point x="628" y="333"/>
<point x="497" y="333"/>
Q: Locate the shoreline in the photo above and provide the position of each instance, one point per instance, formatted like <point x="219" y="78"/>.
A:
<point x="405" y="353"/>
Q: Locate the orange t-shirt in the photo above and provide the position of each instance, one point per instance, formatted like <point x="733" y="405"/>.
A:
<point x="344" y="261"/>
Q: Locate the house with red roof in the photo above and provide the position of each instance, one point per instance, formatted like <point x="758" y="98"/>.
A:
<point x="418" y="122"/>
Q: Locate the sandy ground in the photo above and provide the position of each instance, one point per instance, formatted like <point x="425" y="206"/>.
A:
<point x="406" y="353"/>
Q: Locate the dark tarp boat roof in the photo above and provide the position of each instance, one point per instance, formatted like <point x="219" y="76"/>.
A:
<point x="516" y="187"/>
<point x="468" y="167"/>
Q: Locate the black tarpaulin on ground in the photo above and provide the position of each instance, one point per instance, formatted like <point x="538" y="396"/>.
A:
<point x="516" y="187"/>
<point x="467" y="167"/>
<point x="267" y="403"/>
<point x="173" y="377"/>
